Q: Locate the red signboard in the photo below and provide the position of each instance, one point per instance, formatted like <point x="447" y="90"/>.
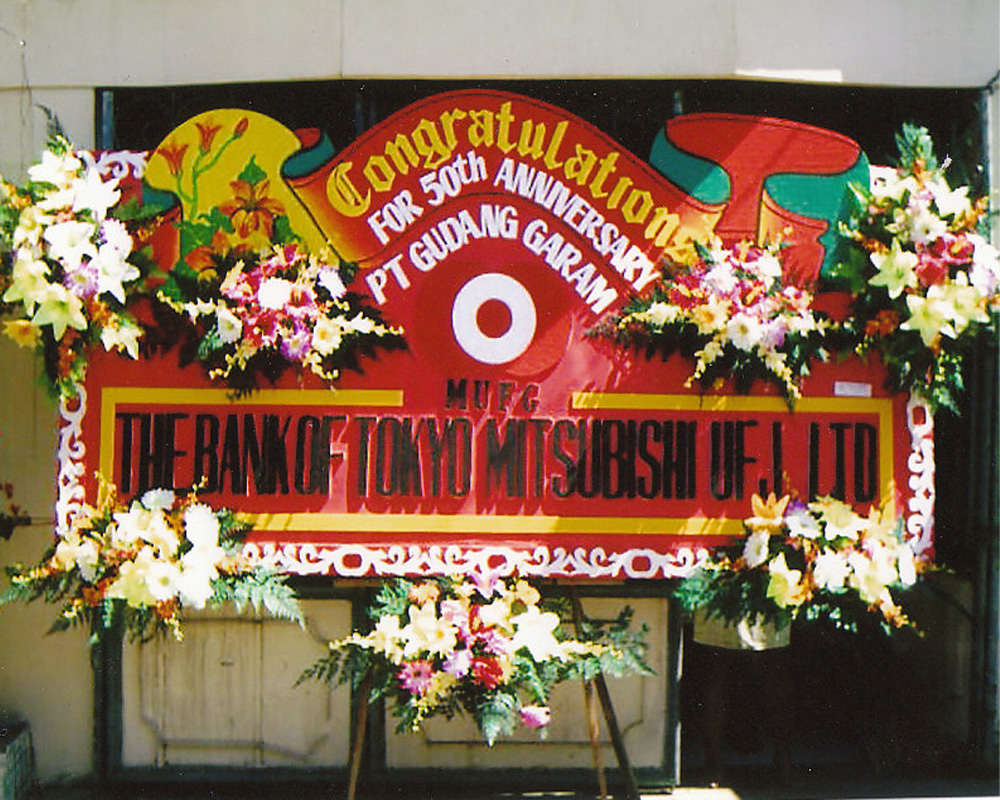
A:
<point x="497" y="231"/>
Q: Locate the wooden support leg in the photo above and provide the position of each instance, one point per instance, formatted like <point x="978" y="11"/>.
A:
<point x="610" y="718"/>
<point x="594" y="729"/>
<point x="360" y="724"/>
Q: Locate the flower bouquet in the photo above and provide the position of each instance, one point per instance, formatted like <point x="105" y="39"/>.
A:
<point x="820" y="560"/>
<point x="925" y="281"/>
<point x="147" y="561"/>
<point x="730" y="310"/>
<point x="64" y="265"/>
<point x="478" y="644"/>
<point x="260" y="313"/>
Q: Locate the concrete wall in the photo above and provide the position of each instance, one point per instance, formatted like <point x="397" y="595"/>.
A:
<point x="54" y="53"/>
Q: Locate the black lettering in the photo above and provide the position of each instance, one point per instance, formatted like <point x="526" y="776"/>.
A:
<point x="364" y="432"/>
<point x="233" y="458"/>
<point x="723" y="465"/>
<point x="839" y="489"/>
<point x="125" y="479"/>
<point x="865" y="462"/>
<point x="595" y="458"/>
<point x="456" y="393"/>
<point x="563" y="426"/>
<point x="740" y="458"/>
<point x="206" y="446"/>
<point x="459" y="469"/>
<point x="648" y="489"/>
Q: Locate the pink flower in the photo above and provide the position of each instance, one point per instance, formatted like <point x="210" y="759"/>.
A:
<point x="415" y="677"/>
<point x="455" y="612"/>
<point x="488" y="583"/>
<point x="458" y="663"/>
<point x="535" y="716"/>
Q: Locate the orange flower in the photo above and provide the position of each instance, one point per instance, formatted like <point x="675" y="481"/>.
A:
<point x="203" y="258"/>
<point x="885" y="322"/>
<point x="207" y="133"/>
<point x="251" y="209"/>
<point x="173" y="154"/>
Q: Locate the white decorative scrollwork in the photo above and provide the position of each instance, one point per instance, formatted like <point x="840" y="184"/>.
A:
<point x="920" y="464"/>
<point x="355" y="561"/>
<point x="71" y="493"/>
<point x="116" y="163"/>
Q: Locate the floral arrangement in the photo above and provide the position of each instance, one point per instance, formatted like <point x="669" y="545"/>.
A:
<point x="262" y="312"/>
<point x="819" y="560"/>
<point x="474" y="644"/>
<point x="65" y="269"/>
<point x="146" y="561"/>
<point x="730" y="311"/>
<point x="70" y="276"/>
<point x="925" y="281"/>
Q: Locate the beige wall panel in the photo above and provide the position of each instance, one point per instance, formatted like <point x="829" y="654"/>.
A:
<point x="149" y="42"/>
<point x="45" y="679"/>
<point x="226" y="695"/>
<point x="892" y="42"/>
<point x="525" y="37"/>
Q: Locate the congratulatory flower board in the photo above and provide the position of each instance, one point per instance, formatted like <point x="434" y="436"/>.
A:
<point x="483" y="251"/>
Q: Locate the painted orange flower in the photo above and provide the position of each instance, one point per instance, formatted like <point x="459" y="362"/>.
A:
<point x="206" y="132"/>
<point x="173" y="154"/>
<point x="251" y="209"/>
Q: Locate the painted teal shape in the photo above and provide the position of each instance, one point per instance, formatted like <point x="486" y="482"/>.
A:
<point x="701" y="179"/>
<point x="824" y="197"/>
<point x="308" y="159"/>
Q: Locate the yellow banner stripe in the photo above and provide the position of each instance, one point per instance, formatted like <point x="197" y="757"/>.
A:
<point x="492" y="525"/>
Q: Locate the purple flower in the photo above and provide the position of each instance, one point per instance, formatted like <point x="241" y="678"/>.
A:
<point x="295" y="344"/>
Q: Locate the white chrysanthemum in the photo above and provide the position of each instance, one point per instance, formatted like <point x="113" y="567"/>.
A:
<point x="115" y="234"/>
<point x="660" y="313"/>
<point x="194" y="586"/>
<point x="755" y="550"/>
<point x="831" y="570"/>
<point x="327" y="336"/>
<point x="162" y="580"/>
<point x="803" y="524"/>
<point x="201" y="526"/>
<point x="228" y="325"/>
<point x="744" y="331"/>
<point x="721" y="279"/>
<point x="330" y="280"/>
<point x="130" y="526"/>
<point x="274" y="293"/>
<point x="158" y="499"/>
